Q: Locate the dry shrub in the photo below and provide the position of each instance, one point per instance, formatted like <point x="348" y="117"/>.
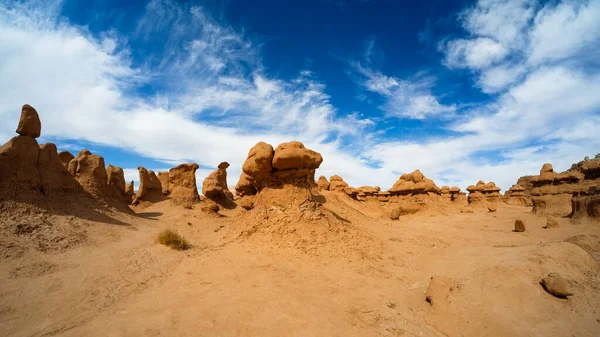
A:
<point x="172" y="239"/>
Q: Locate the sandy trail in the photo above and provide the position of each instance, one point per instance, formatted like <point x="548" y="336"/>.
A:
<point x="124" y="284"/>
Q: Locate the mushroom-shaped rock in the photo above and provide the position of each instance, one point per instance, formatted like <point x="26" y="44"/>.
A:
<point x="546" y="174"/>
<point x="322" y="183"/>
<point x="89" y="170"/>
<point x="336" y="183"/>
<point x="215" y="185"/>
<point x="182" y="183"/>
<point x="29" y="124"/>
<point x="368" y="190"/>
<point x="65" y="157"/>
<point x="258" y="164"/>
<point x="163" y="177"/>
<point x="556" y="285"/>
<point x="293" y="155"/>
<point x="413" y="183"/>
<point x="245" y="185"/>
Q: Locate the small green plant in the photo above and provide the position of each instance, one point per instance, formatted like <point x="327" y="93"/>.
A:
<point x="172" y="239"/>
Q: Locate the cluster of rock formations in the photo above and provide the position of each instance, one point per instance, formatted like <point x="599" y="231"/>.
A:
<point x="33" y="173"/>
<point x="267" y="171"/>
<point x="574" y="193"/>
<point x="29" y="171"/>
<point x="482" y="192"/>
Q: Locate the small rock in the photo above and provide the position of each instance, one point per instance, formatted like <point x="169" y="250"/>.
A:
<point x="492" y="209"/>
<point x="395" y="214"/>
<point x="519" y="226"/>
<point x="556" y="285"/>
<point x="551" y="222"/>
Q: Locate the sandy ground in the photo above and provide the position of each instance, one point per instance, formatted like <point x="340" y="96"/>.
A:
<point x="371" y="282"/>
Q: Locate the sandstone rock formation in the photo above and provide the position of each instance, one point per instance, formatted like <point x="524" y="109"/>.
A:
<point x="53" y="175"/>
<point x="116" y="182"/>
<point x="89" y="170"/>
<point x="336" y="183"/>
<point x="245" y="185"/>
<point x="215" y="187"/>
<point x="182" y="183"/>
<point x="482" y="192"/>
<point x="413" y="183"/>
<point x="129" y="192"/>
<point x="163" y="177"/>
<point x="572" y="192"/>
<point x="283" y="176"/>
<point x="457" y="195"/>
<point x="29" y="124"/>
<point x="149" y="188"/>
<point x="551" y="222"/>
<point x="65" y="157"/>
<point x="323" y="184"/>
<point x="516" y="196"/>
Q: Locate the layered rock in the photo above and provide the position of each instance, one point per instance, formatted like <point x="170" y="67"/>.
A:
<point x="553" y="193"/>
<point x="482" y="192"/>
<point x="89" y="170"/>
<point x="215" y="187"/>
<point x="457" y="195"/>
<point x="149" y="188"/>
<point x="516" y="196"/>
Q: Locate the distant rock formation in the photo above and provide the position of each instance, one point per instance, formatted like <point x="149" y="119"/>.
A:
<point x="482" y="192"/>
<point x="516" y="196"/>
<point x="182" y="183"/>
<point x="53" y="175"/>
<point x="215" y="187"/>
<point x="129" y="192"/>
<point x="413" y="183"/>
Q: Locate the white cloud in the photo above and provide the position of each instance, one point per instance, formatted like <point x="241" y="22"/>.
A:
<point x="564" y="30"/>
<point x="411" y="99"/>
<point x="475" y="53"/>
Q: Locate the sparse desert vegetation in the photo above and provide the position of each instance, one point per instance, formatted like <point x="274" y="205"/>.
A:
<point x="172" y="239"/>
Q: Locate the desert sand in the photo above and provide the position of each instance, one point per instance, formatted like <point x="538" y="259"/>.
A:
<point x="285" y="256"/>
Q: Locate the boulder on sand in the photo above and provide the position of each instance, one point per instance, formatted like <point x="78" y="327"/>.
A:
<point x="29" y="124"/>
<point x="519" y="226"/>
<point x="556" y="285"/>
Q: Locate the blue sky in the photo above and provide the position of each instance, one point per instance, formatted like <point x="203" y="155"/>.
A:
<point x="463" y="90"/>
